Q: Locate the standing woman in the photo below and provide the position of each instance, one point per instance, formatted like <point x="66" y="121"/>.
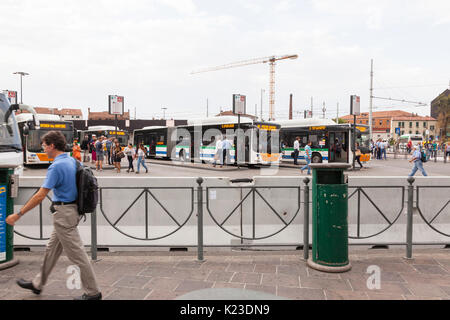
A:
<point x="358" y="154"/>
<point x="92" y="147"/>
<point x="117" y="155"/>
<point x="129" y="151"/>
<point x="76" y="151"/>
<point x="141" y="158"/>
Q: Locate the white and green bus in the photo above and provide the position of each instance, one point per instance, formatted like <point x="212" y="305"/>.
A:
<point x="256" y="142"/>
<point x="331" y="142"/>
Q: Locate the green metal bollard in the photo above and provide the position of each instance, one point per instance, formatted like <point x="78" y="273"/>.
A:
<point x="329" y="218"/>
<point x="6" y="231"/>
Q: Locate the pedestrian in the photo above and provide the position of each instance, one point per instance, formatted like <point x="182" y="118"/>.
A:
<point x="296" y="149"/>
<point x="117" y="155"/>
<point x="85" y="148"/>
<point x="61" y="178"/>
<point x="417" y="159"/>
<point x="383" y="147"/>
<point x="358" y="155"/>
<point x="129" y="151"/>
<point x="337" y="148"/>
<point x="141" y="158"/>
<point x="92" y="149"/>
<point x="308" y="155"/>
<point x="76" y="150"/>
<point x="447" y="150"/>
<point x="109" y="146"/>
<point x="409" y="146"/>
<point x="219" y="153"/>
<point x="99" y="154"/>
<point x="226" y="146"/>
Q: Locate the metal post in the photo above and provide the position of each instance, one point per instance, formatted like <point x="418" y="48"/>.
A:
<point x="200" y="219"/>
<point x="409" y="222"/>
<point x="354" y="142"/>
<point x="306" y="219"/>
<point x="94" y="235"/>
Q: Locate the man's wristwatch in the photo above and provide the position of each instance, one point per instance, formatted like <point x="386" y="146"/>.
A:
<point x="20" y="213"/>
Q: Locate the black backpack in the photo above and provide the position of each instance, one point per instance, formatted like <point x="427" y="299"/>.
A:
<point x="423" y="156"/>
<point x="87" y="187"/>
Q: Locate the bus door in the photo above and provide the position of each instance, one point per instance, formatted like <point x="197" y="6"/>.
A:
<point x="338" y="149"/>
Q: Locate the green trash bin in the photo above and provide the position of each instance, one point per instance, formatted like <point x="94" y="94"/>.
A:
<point x="6" y="231"/>
<point x="329" y="218"/>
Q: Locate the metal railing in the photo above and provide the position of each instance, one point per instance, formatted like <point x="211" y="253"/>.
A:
<point x="254" y="191"/>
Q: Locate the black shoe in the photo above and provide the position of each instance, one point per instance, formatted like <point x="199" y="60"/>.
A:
<point x="97" y="296"/>
<point x="146" y="170"/>
<point x="27" y="285"/>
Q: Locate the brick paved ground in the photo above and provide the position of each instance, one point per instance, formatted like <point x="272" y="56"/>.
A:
<point x="164" y="275"/>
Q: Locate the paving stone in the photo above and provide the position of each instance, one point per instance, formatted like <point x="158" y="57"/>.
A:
<point x="186" y="274"/>
<point x="221" y="276"/>
<point x="409" y="297"/>
<point x="265" y="268"/>
<point x="241" y="267"/>
<point x="317" y="283"/>
<point x="215" y="265"/>
<point x="429" y="269"/>
<point x="229" y="285"/>
<point x="267" y="260"/>
<point x="426" y="278"/>
<point x="285" y="280"/>
<point x="191" y="285"/>
<point x="244" y="277"/>
<point x="157" y="272"/>
<point x="446" y="289"/>
<point x="137" y="282"/>
<point x="421" y="260"/>
<point x="189" y="265"/>
<point x="425" y="289"/>
<point x="160" y="294"/>
<point x="396" y="267"/>
<point x="300" y="293"/>
<point x="384" y="296"/>
<point x="345" y="295"/>
<point x="267" y="289"/>
<point x="127" y="294"/>
<point x="58" y="287"/>
<point x="292" y="270"/>
<point x="323" y="275"/>
<point x="162" y="284"/>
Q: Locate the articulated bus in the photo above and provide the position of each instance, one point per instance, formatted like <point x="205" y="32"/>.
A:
<point x="196" y="141"/>
<point x="31" y="136"/>
<point x="414" y="138"/>
<point x="324" y="134"/>
<point x="107" y="131"/>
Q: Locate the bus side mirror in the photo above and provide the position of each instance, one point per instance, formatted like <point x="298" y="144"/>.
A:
<point x="26" y="130"/>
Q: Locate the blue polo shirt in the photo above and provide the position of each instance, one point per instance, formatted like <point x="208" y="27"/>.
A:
<point x="61" y="178"/>
<point x="417" y="155"/>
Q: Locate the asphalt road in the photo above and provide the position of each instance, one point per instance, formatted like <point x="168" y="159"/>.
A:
<point x="161" y="168"/>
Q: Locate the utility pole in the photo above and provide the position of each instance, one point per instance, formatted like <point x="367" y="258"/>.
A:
<point x="164" y="110"/>
<point x="207" y="108"/>
<point x="22" y="74"/>
<point x="256" y="111"/>
<point x="324" y="109"/>
<point x="290" y="107"/>
<point x="371" y="98"/>
<point x="135" y="113"/>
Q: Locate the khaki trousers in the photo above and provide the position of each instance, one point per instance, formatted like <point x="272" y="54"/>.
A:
<point x="65" y="237"/>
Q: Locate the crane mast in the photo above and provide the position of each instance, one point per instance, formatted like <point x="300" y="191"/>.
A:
<point x="271" y="60"/>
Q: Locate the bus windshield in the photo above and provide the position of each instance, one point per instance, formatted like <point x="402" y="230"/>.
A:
<point x="9" y="133"/>
<point x="34" y="140"/>
<point x="363" y="139"/>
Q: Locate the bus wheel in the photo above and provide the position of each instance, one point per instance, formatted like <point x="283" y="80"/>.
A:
<point x="316" y="158"/>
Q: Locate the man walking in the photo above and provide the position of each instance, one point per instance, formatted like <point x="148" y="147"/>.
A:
<point x="417" y="158"/>
<point x="99" y="153"/>
<point x="108" y="150"/>
<point x="61" y="178"/>
<point x="296" y="149"/>
<point x="308" y="155"/>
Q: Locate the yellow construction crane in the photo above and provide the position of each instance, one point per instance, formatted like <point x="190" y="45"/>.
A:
<point x="271" y="60"/>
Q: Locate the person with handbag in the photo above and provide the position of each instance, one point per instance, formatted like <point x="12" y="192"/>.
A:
<point x="117" y="155"/>
<point x="129" y="151"/>
<point x="358" y="154"/>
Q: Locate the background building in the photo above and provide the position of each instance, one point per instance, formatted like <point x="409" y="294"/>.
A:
<point x="384" y="123"/>
<point x="440" y="110"/>
<point x="64" y="114"/>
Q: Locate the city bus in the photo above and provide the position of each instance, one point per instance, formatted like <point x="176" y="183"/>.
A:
<point x="107" y="131"/>
<point x="196" y="141"/>
<point x="156" y="139"/>
<point x="414" y="138"/>
<point x="31" y="135"/>
<point x="324" y="135"/>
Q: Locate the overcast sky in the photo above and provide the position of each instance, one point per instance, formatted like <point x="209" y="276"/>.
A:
<point x="79" y="52"/>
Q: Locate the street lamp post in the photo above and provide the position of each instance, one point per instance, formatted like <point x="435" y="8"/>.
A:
<point x="21" y="73"/>
<point x="164" y="110"/>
